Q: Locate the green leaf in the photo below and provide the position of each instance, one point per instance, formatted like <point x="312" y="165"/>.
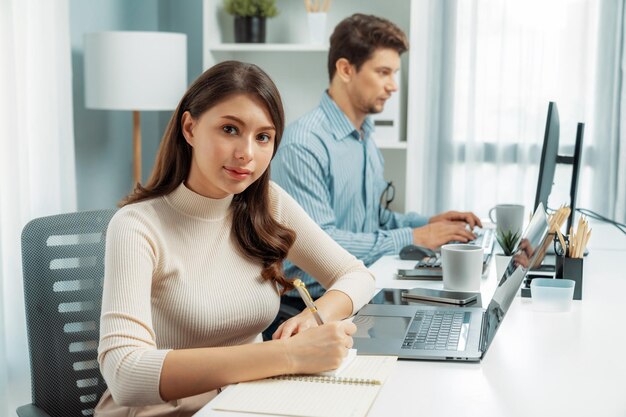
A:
<point x="247" y="8"/>
<point x="507" y="240"/>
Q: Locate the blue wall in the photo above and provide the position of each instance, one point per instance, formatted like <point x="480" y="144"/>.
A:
<point x="103" y="139"/>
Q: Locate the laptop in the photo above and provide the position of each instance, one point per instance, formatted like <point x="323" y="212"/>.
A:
<point x="443" y="332"/>
<point x="429" y="268"/>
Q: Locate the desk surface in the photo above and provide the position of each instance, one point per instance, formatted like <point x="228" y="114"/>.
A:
<point x="539" y="364"/>
<point x="606" y="237"/>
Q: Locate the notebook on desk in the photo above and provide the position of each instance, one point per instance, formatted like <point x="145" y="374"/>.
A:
<point x="430" y="268"/>
<point x="446" y="333"/>
<point x="350" y="393"/>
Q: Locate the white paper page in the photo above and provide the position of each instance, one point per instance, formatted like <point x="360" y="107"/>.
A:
<point x="302" y="397"/>
<point x="344" y="364"/>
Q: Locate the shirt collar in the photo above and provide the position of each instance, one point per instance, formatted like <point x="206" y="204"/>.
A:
<point x="341" y="127"/>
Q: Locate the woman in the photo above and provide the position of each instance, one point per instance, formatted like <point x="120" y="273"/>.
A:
<point x="193" y="269"/>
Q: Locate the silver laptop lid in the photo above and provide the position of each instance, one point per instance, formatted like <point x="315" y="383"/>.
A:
<point x="526" y="255"/>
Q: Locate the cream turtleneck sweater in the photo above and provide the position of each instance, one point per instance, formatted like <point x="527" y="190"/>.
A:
<point x="174" y="279"/>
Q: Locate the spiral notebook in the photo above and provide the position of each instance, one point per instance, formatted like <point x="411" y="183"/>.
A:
<point x="351" y="393"/>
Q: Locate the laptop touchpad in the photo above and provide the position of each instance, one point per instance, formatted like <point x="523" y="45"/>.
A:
<point x="381" y="327"/>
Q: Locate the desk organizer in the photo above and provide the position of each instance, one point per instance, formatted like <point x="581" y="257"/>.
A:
<point x="571" y="268"/>
<point x="525" y="290"/>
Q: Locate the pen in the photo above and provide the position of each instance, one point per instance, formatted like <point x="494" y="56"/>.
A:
<point x="306" y="297"/>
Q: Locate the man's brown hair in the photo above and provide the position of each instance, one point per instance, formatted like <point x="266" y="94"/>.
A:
<point x="357" y="37"/>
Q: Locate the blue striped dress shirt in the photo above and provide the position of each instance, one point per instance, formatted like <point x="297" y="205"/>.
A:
<point x="336" y="173"/>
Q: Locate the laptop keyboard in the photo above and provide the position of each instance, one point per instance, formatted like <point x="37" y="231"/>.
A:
<point x="437" y="330"/>
<point x="484" y="238"/>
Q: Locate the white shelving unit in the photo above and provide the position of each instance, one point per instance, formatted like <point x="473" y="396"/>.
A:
<point x="299" y="68"/>
<point x="268" y="47"/>
<point x="391" y="145"/>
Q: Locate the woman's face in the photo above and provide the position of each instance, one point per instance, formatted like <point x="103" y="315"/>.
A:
<point x="232" y="145"/>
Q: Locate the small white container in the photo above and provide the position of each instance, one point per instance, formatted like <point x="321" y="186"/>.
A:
<point x="317" y="27"/>
<point x="502" y="261"/>
<point x="552" y="294"/>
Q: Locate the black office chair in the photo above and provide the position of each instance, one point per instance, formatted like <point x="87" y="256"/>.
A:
<point x="63" y="264"/>
<point x="285" y="312"/>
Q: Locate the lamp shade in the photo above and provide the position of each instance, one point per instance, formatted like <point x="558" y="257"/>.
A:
<point x="135" y="70"/>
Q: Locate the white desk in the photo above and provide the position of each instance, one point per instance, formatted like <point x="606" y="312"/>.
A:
<point x="606" y="236"/>
<point x="539" y="364"/>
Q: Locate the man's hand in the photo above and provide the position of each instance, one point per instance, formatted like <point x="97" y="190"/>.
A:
<point x="524" y="254"/>
<point x="457" y="216"/>
<point x="436" y="234"/>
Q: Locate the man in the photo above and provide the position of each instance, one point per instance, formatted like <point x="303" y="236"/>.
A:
<point x="330" y="164"/>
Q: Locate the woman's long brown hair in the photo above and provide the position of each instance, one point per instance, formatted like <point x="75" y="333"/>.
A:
<point x="258" y="235"/>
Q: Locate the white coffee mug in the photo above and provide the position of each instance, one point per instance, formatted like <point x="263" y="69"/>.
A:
<point x="462" y="266"/>
<point x="509" y="217"/>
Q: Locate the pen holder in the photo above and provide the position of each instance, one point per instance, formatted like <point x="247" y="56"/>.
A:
<point x="571" y="268"/>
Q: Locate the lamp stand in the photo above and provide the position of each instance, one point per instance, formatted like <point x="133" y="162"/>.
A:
<point x="136" y="148"/>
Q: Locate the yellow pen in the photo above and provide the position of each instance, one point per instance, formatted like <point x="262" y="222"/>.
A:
<point x="306" y="297"/>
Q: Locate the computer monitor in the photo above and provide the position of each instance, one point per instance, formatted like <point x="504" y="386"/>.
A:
<point x="549" y="153"/>
<point x="550" y="158"/>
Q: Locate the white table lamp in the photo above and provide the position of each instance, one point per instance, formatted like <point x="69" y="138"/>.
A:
<point x="135" y="71"/>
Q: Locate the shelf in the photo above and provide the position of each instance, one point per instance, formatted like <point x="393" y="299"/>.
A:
<point x="299" y="68"/>
<point x="391" y="145"/>
<point x="268" y="47"/>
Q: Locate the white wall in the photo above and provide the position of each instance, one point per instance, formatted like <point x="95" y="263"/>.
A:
<point x="103" y="139"/>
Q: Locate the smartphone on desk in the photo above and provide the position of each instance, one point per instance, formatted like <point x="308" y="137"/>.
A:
<point x="430" y="274"/>
<point x="442" y="296"/>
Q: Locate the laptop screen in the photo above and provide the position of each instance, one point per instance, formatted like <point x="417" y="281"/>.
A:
<point x="525" y="257"/>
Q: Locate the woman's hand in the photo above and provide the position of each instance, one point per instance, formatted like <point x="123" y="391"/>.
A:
<point x="319" y="348"/>
<point x="294" y="325"/>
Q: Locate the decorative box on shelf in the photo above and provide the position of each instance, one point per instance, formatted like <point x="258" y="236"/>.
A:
<point x="387" y="122"/>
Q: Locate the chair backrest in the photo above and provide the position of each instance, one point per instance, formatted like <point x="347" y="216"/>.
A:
<point x="63" y="264"/>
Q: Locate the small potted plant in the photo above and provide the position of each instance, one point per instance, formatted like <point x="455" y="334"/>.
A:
<point x="508" y="242"/>
<point x="250" y="16"/>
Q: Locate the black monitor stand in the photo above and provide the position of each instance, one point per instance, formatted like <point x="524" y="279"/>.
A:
<point x="575" y="161"/>
<point x="547" y="267"/>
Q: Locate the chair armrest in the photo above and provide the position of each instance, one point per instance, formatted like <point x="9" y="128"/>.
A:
<point x="31" y="410"/>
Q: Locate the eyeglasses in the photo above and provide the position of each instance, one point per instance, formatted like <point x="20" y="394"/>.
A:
<point x="384" y="214"/>
<point x="559" y="250"/>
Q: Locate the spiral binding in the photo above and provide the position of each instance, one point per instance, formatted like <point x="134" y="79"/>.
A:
<point x="328" y="379"/>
